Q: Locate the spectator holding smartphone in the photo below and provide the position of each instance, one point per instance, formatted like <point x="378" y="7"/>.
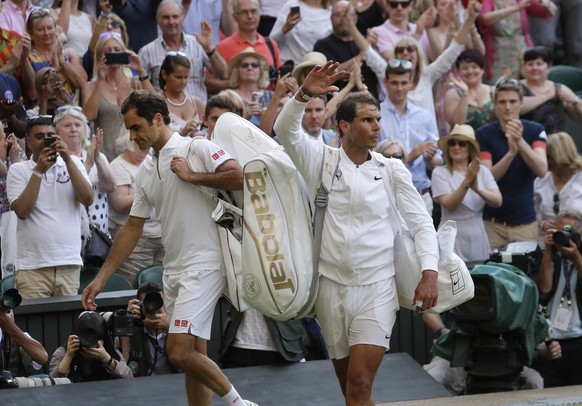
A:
<point x="46" y="193"/>
<point x="111" y="84"/>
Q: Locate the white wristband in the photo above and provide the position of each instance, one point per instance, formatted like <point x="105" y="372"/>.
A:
<point x="37" y="173"/>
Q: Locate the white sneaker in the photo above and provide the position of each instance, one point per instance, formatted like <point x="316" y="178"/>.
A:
<point x="249" y="403"/>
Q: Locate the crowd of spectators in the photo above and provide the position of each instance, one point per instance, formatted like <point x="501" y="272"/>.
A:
<point x="466" y="104"/>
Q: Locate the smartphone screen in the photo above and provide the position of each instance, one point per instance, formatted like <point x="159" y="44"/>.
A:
<point x="295" y="10"/>
<point x="116" y="58"/>
<point x="48" y="142"/>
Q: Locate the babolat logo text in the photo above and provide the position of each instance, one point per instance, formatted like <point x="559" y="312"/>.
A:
<point x="269" y="244"/>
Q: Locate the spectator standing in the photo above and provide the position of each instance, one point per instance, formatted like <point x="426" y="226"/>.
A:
<point x="14" y="15"/>
<point x="296" y="33"/>
<point x="193" y="280"/>
<point x="76" y="24"/>
<point x="198" y="48"/>
<point x="46" y="193"/>
<point x="413" y="126"/>
<point x="470" y="101"/>
<point x="47" y="50"/>
<point x="340" y="46"/>
<point x="218" y="14"/>
<point x="462" y="187"/>
<point x="246" y="14"/>
<point x="72" y="126"/>
<point x="515" y="151"/>
<point x="111" y="84"/>
<point x="149" y="249"/>
<point x="544" y="101"/>
<point x="185" y="110"/>
<point x="139" y="17"/>
<point x="504" y="28"/>
<point x="398" y="25"/>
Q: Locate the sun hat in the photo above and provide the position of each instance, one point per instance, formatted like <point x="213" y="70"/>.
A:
<point x="310" y="59"/>
<point x="245" y="53"/>
<point x="463" y="132"/>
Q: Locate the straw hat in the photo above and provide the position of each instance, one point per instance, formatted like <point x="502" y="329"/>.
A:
<point x="245" y="53"/>
<point x="310" y="59"/>
<point x="462" y="132"/>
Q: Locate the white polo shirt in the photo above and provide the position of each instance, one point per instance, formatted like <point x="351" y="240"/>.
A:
<point x="189" y="234"/>
<point x="51" y="235"/>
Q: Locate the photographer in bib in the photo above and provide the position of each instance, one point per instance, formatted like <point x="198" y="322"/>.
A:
<point x="560" y="284"/>
<point x="145" y="350"/>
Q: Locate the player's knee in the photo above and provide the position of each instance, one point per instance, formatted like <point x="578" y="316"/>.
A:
<point x="360" y="387"/>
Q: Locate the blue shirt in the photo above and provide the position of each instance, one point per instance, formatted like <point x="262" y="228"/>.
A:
<point x="414" y="126"/>
<point x="209" y="10"/>
<point x="516" y="185"/>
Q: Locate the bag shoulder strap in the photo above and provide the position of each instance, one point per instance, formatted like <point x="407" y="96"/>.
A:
<point x="182" y="150"/>
<point x="329" y="165"/>
<point x="269" y="42"/>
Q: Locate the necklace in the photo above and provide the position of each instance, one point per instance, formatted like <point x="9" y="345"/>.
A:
<point x="114" y="86"/>
<point x="180" y="104"/>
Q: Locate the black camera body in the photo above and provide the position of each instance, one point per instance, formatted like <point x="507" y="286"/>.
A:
<point x="122" y="323"/>
<point x="152" y="302"/>
<point x="563" y="237"/>
<point x="7" y="381"/>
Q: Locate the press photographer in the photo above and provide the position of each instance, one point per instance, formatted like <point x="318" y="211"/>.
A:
<point x="560" y="284"/>
<point x="145" y="349"/>
<point x="20" y="354"/>
<point x="89" y="354"/>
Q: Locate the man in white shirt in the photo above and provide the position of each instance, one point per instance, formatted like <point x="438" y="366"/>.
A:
<point x="356" y="304"/>
<point x="46" y="193"/>
<point x="193" y="280"/>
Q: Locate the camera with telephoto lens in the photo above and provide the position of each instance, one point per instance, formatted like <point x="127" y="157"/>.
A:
<point x="88" y="338"/>
<point x="563" y="237"/>
<point x="151" y="304"/>
<point x="9" y="300"/>
<point x="8" y="381"/>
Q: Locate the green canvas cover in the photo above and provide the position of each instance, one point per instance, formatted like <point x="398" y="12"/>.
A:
<point x="516" y="307"/>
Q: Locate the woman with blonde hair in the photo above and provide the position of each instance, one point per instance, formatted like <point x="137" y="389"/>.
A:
<point x="72" y="126"/>
<point x="249" y="77"/>
<point x="110" y="86"/>
<point x="47" y="51"/>
<point x="462" y="187"/>
<point x="561" y="187"/>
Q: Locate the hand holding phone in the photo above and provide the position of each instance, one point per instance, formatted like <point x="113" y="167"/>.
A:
<point x="49" y="141"/>
<point x="116" y="58"/>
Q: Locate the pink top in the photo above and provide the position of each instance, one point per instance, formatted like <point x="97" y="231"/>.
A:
<point x="11" y="17"/>
<point x="389" y="35"/>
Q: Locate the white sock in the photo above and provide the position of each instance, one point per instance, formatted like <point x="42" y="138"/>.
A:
<point x="232" y="398"/>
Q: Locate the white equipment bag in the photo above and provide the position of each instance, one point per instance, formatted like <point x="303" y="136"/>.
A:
<point x="278" y="278"/>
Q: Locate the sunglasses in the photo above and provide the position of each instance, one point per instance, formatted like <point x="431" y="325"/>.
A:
<point x="39" y="118"/>
<point x="245" y="65"/>
<point x="400" y="63"/>
<point x="408" y="48"/>
<point x="460" y="143"/>
<point x="403" y="4"/>
<point x="40" y="12"/>
<point x="396" y="155"/>
<point x="508" y="82"/>
<point x="113" y="24"/>
<point x="64" y="109"/>
<point x="556" y="203"/>
<point x="176" y="53"/>
<point x="109" y="34"/>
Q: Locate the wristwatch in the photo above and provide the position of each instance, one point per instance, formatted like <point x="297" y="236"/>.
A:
<point x="304" y="95"/>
